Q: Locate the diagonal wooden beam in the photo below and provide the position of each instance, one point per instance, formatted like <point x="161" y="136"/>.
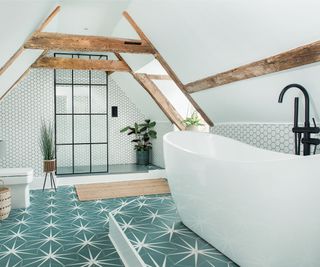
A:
<point x="120" y="58"/>
<point x="159" y="77"/>
<point x="21" y="78"/>
<point x="46" y="22"/>
<point x="11" y="60"/>
<point x="297" y="57"/>
<point x="21" y="49"/>
<point x="157" y="96"/>
<point x="160" y="99"/>
<point x="80" y="64"/>
<point x="168" y="69"/>
<point x="73" y="42"/>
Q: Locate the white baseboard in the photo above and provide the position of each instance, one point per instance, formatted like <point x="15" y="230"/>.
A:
<point x="37" y="182"/>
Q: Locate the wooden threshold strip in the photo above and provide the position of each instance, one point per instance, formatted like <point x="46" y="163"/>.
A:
<point x="98" y="191"/>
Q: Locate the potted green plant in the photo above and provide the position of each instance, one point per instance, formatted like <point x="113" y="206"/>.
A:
<point x="143" y="133"/>
<point x="193" y="123"/>
<point x="47" y="147"/>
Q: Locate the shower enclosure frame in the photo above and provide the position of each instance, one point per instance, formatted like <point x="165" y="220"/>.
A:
<point x="73" y="114"/>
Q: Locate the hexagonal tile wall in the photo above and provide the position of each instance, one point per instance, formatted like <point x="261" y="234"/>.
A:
<point x="33" y="100"/>
<point x="272" y="136"/>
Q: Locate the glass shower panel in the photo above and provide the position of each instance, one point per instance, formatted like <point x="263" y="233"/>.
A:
<point x="81" y="158"/>
<point x="64" y="129"/>
<point x="99" y="155"/>
<point x="63" y="99"/>
<point x="81" y="115"/>
<point x="99" y="128"/>
<point x="64" y="159"/>
<point x="81" y="98"/>
<point x="98" y="77"/>
<point x="64" y="76"/>
<point x="81" y="129"/>
<point x="98" y="99"/>
<point x="81" y="77"/>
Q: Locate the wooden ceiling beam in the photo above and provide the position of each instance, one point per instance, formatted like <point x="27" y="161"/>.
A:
<point x="72" y="42"/>
<point x="297" y="57"/>
<point x="168" y="69"/>
<point x="160" y="99"/>
<point x="46" y="22"/>
<point x="80" y="64"/>
<point x="21" y="49"/>
<point x="158" y="77"/>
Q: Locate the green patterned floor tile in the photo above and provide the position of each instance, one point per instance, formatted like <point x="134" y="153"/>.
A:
<point x="152" y="225"/>
<point x="58" y="230"/>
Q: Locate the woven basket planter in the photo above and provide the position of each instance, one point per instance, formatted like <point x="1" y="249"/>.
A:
<point x="5" y="202"/>
<point x="49" y="165"/>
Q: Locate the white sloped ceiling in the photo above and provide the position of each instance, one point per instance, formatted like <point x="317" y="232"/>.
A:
<point x="205" y="37"/>
<point x="198" y="38"/>
<point x="18" y="19"/>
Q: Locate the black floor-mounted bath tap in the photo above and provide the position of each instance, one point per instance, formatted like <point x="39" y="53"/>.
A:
<point x="306" y="130"/>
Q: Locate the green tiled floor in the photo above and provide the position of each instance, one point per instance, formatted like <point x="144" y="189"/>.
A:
<point x="154" y="228"/>
<point x="58" y="230"/>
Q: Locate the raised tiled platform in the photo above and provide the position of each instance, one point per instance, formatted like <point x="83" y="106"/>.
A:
<point x="102" y="169"/>
<point x="147" y="231"/>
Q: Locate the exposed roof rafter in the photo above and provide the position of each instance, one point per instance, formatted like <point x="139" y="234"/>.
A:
<point x="73" y="42"/>
<point x="20" y="79"/>
<point x="80" y="64"/>
<point x="297" y="57"/>
<point x="21" y="49"/>
<point x="168" y="69"/>
<point x="161" y="100"/>
<point x="158" y="77"/>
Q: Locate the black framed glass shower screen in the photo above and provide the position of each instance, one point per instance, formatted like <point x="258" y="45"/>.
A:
<point x="81" y="118"/>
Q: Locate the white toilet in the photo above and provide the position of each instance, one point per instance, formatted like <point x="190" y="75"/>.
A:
<point x="18" y="180"/>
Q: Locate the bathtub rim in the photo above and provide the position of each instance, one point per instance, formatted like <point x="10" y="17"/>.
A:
<point x="291" y="157"/>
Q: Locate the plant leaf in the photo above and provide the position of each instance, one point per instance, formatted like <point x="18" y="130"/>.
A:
<point x="125" y="129"/>
<point x="143" y="129"/>
<point x="152" y="124"/>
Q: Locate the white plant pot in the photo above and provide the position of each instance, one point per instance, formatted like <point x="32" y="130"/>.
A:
<point x="194" y="128"/>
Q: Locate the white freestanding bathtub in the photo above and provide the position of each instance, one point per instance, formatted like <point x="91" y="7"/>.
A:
<point x="259" y="208"/>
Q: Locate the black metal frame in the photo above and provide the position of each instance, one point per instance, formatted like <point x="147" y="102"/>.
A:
<point x="90" y="114"/>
